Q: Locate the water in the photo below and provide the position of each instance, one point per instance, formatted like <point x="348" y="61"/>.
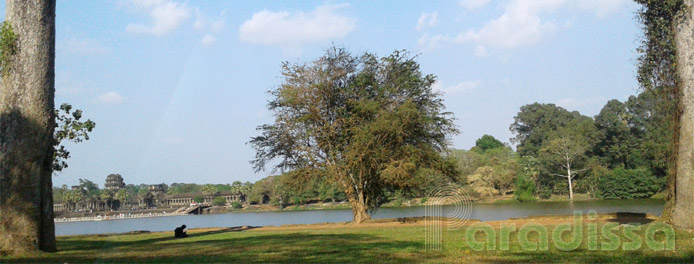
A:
<point x="484" y="212"/>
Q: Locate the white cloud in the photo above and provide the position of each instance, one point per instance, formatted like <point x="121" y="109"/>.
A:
<point x="111" y="98"/>
<point x="458" y="88"/>
<point x="473" y="4"/>
<point x="519" y="25"/>
<point x="427" y="20"/>
<point x="602" y="8"/>
<point x="293" y="29"/>
<point x="205" y="24"/>
<point x="208" y="40"/>
<point x="85" y="46"/>
<point x="427" y="42"/>
<point x="165" y="15"/>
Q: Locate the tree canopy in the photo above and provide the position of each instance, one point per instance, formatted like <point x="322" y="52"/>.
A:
<point x="363" y="122"/>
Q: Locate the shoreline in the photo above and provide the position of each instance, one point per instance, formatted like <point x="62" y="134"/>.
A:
<point x="265" y="208"/>
<point x="620" y="217"/>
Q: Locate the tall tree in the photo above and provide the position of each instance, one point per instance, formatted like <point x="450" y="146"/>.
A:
<point x="567" y="148"/>
<point x="666" y="67"/>
<point x="534" y="123"/>
<point x="27" y="123"/>
<point x="617" y="141"/>
<point x="369" y="122"/>
<point x="683" y="211"/>
<point x="488" y="142"/>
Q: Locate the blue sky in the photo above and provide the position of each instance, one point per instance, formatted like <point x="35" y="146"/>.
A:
<point x="177" y="87"/>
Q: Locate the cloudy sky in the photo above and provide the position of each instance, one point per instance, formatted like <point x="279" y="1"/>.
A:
<point x="177" y="87"/>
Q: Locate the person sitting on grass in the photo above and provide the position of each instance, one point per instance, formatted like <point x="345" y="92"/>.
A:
<point x="178" y="232"/>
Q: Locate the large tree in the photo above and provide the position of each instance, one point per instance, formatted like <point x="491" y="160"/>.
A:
<point x="666" y="67"/>
<point x="27" y="123"/>
<point x="366" y="123"/>
<point x="534" y="123"/>
<point x="683" y="211"/>
<point x="566" y="149"/>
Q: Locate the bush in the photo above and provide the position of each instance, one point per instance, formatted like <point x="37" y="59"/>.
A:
<point x="198" y="199"/>
<point x="561" y="188"/>
<point x="545" y="192"/>
<point x="219" y="201"/>
<point x="236" y="205"/>
<point x="525" y="189"/>
<point x="628" y="184"/>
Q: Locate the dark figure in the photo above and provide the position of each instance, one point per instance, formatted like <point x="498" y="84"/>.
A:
<point x="178" y="232"/>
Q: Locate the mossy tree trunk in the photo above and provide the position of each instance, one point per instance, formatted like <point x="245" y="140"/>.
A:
<point x="682" y="214"/>
<point x="27" y="123"/>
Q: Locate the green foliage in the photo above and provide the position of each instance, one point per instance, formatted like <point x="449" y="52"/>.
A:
<point x="68" y="127"/>
<point x="209" y="190"/>
<point x="525" y="189"/>
<point x="8" y="46"/>
<point x="488" y="142"/>
<point x="621" y="183"/>
<point x="198" y="199"/>
<point x="534" y="124"/>
<point x="236" y="205"/>
<point x="545" y="192"/>
<point x="369" y="123"/>
<point x="219" y="201"/>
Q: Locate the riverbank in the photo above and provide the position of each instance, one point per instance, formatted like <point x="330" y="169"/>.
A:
<point x="378" y="241"/>
<point x="416" y="202"/>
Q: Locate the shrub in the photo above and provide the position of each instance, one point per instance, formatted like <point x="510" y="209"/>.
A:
<point x="198" y="199"/>
<point x="561" y="188"/>
<point x="525" y="189"/>
<point x="236" y="205"/>
<point x="219" y="201"/>
<point x="545" y="192"/>
<point x="628" y="184"/>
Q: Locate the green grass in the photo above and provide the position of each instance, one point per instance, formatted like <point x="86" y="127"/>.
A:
<point x="394" y="243"/>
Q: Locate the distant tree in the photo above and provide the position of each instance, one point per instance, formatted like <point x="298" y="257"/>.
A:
<point x="618" y="143"/>
<point x="369" y="122"/>
<point x="236" y="186"/>
<point x="89" y="187"/>
<point x="628" y="184"/>
<point x="535" y="122"/>
<point x="198" y="199"/>
<point x="482" y="181"/>
<point x="209" y="190"/>
<point x="567" y="149"/>
<point x="246" y="188"/>
<point x="122" y="196"/>
<point x="467" y="161"/>
<point x="488" y="142"/>
<point x="219" y="201"/>
<point x="107" y="197"/>
<point x="525" y="189"/>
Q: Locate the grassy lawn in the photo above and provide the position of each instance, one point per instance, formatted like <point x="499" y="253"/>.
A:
<point x="384" y="242"/>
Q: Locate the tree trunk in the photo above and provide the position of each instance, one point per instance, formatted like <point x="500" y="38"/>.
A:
<point x="682" y="214"/>
<point x="568" y="177"/>
<point x="359" y="208"/>
<point x="26" y="129"/>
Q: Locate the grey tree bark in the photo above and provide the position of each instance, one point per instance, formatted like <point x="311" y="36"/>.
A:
<point x="26" y="130"/>
<point x="683" y="211"/>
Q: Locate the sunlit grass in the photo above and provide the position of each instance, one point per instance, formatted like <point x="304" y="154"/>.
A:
<point x="392" y="243"/>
